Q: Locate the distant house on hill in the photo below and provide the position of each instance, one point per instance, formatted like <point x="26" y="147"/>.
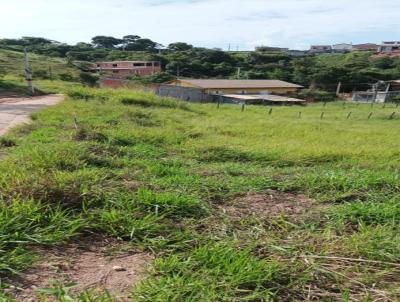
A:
<point x="208" y="90"/>
<point x="390" y="46"/>
<point x="316" y="49"/>
<point x="342" y="47"/>
<point x="365" y="47"/>
<point x="124" y="69"/>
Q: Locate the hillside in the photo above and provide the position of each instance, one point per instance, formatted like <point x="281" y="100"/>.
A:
<point x="256" y="205"/>
<point x="12" y="64"/>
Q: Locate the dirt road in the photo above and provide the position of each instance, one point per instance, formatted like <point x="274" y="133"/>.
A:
<point x="15" y="111"/>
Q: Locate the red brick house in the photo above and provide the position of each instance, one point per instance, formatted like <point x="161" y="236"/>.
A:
<point x="124" y="69"/>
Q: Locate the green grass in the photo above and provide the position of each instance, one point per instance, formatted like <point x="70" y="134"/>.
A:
<point x="151" y="171"/>
<point x="12" y="64"/>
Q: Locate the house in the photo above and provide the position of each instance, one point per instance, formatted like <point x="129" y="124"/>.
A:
<point x="215" y="86"/>
<point x="389" y="47"/>
<point x="342" y="47"/>
<point x="365" y="47"/>
<point x="197" y="90"/>
<point x="315" y="49"/>
<point x="124" y="69"/>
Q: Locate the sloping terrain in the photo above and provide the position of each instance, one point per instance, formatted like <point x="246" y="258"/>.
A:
<point x="12" y="64"/>
<point x="231" y="205"/>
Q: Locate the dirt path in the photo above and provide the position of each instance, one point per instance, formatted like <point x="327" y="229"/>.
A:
<point x="15" y="111"/>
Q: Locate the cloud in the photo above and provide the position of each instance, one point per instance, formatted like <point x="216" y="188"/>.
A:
<point x="210" y="23"/>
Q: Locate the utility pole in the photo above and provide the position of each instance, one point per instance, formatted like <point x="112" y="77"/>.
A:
<point x="28" y="72"/>
<point x="238" y="72"/>
<point x="387" y="91"/>
<point x="50" y="73"/>
<point x="375" y="88"/>
<point x="338" y="88"/>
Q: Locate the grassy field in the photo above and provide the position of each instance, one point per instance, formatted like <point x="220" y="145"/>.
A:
<point x="12" y="64"/>
<point x="157" y="172"/>
<point x="12" y="77"/>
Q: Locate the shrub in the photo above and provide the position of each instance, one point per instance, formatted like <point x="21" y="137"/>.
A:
<point x="89" y="79"/>
<point x="41" y="74"/>
<point x="67" y="77"/>
<point x="317" y="95"/>
<point x="7" y="142"/>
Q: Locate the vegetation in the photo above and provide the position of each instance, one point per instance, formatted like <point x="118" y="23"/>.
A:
<point x="157" y="172"/>
<point x="355" y="70"/>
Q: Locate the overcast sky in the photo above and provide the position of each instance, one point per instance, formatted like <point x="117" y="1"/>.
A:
<point x="209" y="23"/>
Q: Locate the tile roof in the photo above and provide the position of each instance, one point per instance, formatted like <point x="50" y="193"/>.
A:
<point x="211" y="83"/>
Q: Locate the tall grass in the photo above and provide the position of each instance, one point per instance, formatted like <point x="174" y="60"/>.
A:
<point x="153" y="170"/>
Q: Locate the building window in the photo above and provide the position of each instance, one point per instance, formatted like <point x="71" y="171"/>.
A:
<point x="138" y="64"/>
<point x="156" y="64"/>
<point x="242" y="91"/>
<point x="115" y="65"/>
<point x="149" y="64"/>
<point x="98" y="65"/>
<point x="115" y="71"/>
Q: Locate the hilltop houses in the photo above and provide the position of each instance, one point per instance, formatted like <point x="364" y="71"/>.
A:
<point x="365" y="47"/>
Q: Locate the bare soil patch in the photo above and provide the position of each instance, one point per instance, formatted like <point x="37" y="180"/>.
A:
<point x="105" y="264"/>
<point x="269" y="204"/>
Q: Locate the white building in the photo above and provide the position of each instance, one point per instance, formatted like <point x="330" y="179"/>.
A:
<point x="390" y="46"/>
<point x="342" y="47"/>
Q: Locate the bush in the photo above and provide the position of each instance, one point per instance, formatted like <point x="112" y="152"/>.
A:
<point x="146" y="100"/>
<point x="67" y="77"/>
<point x="317" y="95"/>
<point x="89" y="79"/>
<point x="7" y="142"/>
<point x="41" y="74"/>
<point x="396" y="99"/>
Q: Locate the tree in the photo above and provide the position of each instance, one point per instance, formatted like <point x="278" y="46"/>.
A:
<point x="89" y="79"/>
<point x="180" y="46"/>
<point x="384" y="63"/>
<point x="36" y="41"/>
<point x="130" y="39"/>
<point x="303" y="70"/>
<point x="106" y="42"/>
<point x="141" y="44"/>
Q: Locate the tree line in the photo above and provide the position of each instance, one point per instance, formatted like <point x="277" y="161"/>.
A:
<point x="355" y="70"/>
